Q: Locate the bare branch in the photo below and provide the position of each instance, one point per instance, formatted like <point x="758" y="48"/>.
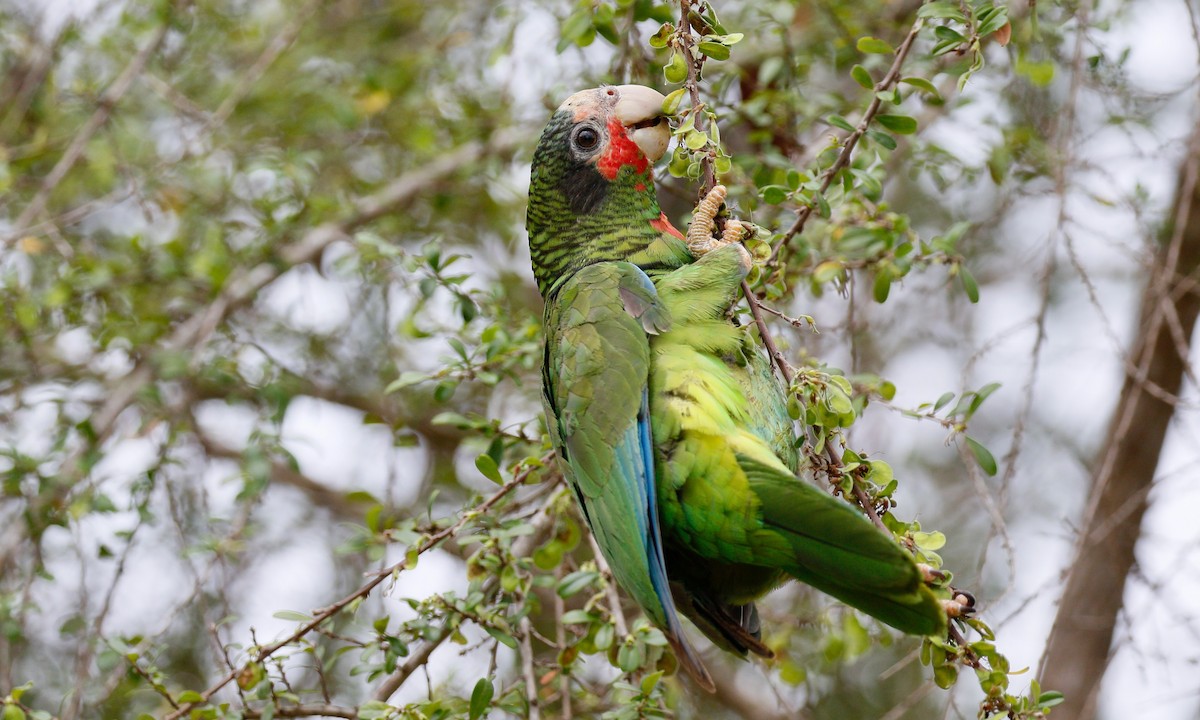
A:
<point x="304" y="711"/>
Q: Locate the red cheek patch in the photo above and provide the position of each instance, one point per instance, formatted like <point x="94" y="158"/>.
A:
<point x="621" y="151"/>
<point x="663" y="225"/>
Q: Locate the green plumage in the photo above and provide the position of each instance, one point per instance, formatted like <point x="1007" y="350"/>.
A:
<point x="668" y="420"/>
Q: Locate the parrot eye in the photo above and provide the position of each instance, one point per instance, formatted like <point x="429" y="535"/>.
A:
<point x="586" y="138"/>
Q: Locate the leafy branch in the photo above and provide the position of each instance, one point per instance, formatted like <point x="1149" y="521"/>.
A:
<point x="324" y="615"/>
<point x="848" y="143"/>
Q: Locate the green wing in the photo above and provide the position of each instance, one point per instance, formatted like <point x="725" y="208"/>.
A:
<point x="730" y="500"/>
<point x="596" y="372"/>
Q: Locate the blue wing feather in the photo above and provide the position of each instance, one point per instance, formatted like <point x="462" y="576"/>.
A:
<point x="653" y="535"/>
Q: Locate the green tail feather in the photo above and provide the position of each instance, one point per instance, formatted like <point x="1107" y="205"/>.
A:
<point x="832" y="547"/>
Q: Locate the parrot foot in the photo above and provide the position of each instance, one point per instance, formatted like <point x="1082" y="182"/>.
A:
<point x="700" y="239"/>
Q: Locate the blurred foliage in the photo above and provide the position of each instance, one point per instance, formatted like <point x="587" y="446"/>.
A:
<point x="256" y="219"/>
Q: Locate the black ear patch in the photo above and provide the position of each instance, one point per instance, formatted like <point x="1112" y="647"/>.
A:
<point x="584" y="187"/>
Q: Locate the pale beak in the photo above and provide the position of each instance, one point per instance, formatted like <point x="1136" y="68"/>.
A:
<point x="639" y="109"/>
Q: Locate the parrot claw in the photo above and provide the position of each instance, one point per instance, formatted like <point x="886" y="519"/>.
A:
<point x="962" y="606"/>
<point x="930" y="574"/>
<point x="700" y="239"/>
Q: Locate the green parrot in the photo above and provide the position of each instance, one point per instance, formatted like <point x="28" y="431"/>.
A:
<point x="668" y="422"/>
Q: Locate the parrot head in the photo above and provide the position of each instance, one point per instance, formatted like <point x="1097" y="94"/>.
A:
<point x="591" y="183"/>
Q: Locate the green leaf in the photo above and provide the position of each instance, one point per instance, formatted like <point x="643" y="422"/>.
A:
<point x="970" y="287"/>
<point x="575" y="582"/>
<point x="502" y="636"/>
<point x="189" y="696"/>
<point x="407" y="378"/>
<point x="882" y="286"/>
<point x="883" y="139"/>
<point x="862" y="77"/>
<point x="675" y="71"/>
<point x="840" y="122"/>
<point x="714" y="50"/>
<point x="997" y="19"/>
<point x="696" y="140"/>
<point x="486" y="465"/>
<point x="659" y="39"/>
<point x="942" y="401"/>
<point x="981" y="395"/>
<point x="20" y="690"/>
<point x="983" y="456"/>
<point x="481" y="698"/>
<point x="923" y="85"/>
<point x="902" y="124"/>
<point x="673" y="101"/>
<point x="946" y="34"/>
<point x="291" y="615"/>
<point x="774" y="194"/>
<point x="827" y="271"/>
<point x="650" y="682"/>
<point x="1049" y="699"/>
<point x="945" y="675"/>
<point x="872" y="45"/>
<point x="373" y="710"/>
<point x="942" y="9"/>
<point x="629" y="657"/>
<point x="823" y="208"/>
<point x="576" y="617"/>
<point x="453" y="419"/>
<point x="929" y="540"/>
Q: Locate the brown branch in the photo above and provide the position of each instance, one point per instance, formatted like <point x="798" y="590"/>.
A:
<point x="851" y="141"/>
<point x="610" y="584"/>
<point x="531" y="684"/>
<point x="328" y="612"/>
<point x="305" y="710"/>
<point x="695" y="62"/>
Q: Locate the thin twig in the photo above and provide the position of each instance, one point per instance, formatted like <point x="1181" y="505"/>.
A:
<point x="305" y="710"/>
<point x="531" y="688"/>
<point x="560" y="643"/>
<point x="695" y="62"/>
<point x="614" y="598"/>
